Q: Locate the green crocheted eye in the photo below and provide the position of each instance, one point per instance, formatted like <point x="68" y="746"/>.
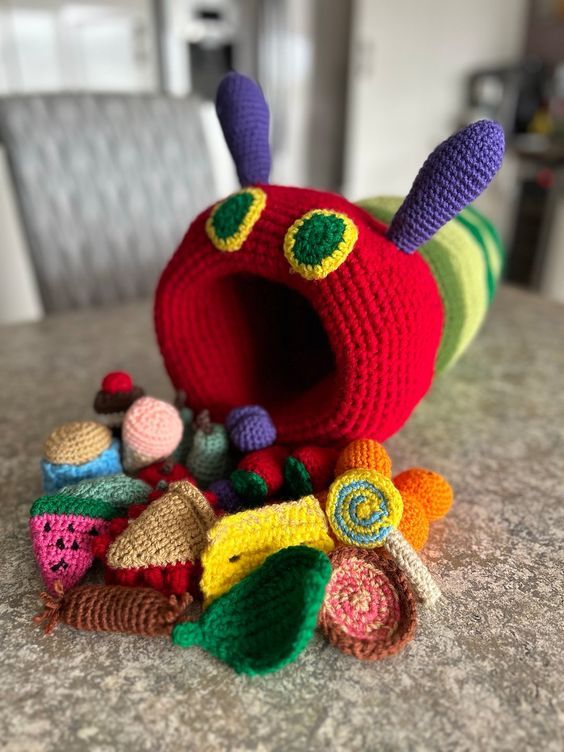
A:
<point x="318" y="243"/>
<point x="231" y="221"/>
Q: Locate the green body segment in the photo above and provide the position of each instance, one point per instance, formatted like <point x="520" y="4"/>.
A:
<point x="266" y="620"/>
<point x="104" y="498"/>
<point x="466" y="259"/>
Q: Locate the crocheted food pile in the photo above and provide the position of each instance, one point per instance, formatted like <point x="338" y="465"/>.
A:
<point x="218" y="536"/>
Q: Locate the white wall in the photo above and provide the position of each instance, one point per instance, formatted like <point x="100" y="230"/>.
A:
<point x="409" y="62"/>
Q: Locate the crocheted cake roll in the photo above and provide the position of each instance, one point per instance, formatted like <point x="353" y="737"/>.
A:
<point x="76" y="451"/>
<point x="239" y="543"/>
<point x="307" y="304"/>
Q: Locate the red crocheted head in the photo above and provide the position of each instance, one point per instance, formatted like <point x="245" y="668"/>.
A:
<point x="331" y="359"/>
<point x="297" y="300"/>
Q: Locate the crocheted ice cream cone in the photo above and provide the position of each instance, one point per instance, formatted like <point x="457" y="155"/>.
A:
<point x="151" y="431"/>
<point x="76" y="451"/>
<point x="116" y="395"/>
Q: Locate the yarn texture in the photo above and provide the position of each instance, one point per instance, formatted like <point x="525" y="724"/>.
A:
<point x="433" y="492"/>
<point x="112" y="608"/>
<point x="266" y="620"/>
<point x="368" y="610"/>
<point x="239" y="543"/>
<point x="171" y="530"/>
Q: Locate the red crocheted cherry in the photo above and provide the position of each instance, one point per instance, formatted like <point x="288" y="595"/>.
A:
<point x="117" y="381"/>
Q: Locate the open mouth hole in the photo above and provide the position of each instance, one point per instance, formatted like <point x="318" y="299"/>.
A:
<point x="267" y="344"/>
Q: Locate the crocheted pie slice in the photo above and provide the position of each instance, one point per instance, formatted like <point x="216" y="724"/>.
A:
<point x="239" y="543"/>
<point x="369" y="610"/>
<point x="266" y="620"/>
<point x="162" y="546"/>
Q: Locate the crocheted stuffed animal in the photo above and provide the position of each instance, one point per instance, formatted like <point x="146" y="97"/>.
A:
<point x="334" y="316"/>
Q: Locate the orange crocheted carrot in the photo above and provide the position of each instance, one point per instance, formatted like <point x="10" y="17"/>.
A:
<point x="112" y="608"/>
<point x="431" y="489"/>
<point x="365" y="454"/>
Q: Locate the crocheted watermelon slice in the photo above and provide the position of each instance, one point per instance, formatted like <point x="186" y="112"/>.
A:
<point x="63" y="525"/>
<point x="62" y="546"/>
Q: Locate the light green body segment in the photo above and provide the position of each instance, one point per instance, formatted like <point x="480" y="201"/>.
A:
<point x="466" y="259"/>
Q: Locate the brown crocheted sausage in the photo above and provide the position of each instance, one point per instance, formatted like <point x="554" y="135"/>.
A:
<point x="112" y="608"/>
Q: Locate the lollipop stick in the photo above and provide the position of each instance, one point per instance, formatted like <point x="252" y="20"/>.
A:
<point x="424" y="587"/>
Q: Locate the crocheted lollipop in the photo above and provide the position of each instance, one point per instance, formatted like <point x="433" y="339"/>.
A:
<point x="364" y="509"/>
<point x="151" y="431"/>
<point x="266" y="620"/>
<point x="78" y="450"/>
<point x="116" y="395"/>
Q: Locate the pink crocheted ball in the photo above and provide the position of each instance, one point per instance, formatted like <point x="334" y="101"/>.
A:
<point x="152" y="427"/>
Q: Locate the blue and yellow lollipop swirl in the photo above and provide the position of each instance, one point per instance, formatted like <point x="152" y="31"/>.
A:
<point x="363" y="507"/>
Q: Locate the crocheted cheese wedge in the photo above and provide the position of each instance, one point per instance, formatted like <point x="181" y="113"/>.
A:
<point x="333" y="316"/>
<point x="267" y="619"/>
<point x="239" y="543"/>
<point x="169" y="534"/>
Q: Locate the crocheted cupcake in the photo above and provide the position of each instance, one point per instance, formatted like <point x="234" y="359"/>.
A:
<point x="78" y="450"/>
<point x="151" y="431"/>
<point x="115" y="397"/>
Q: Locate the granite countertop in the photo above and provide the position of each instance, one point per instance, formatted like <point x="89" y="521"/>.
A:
<point x="485" y="670"/>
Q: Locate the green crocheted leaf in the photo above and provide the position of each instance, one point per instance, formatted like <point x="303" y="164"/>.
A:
<point x="249" y="486"/>
<point x="266" y="620"/>
<point x="118" y="490"/>
<point x="230" y="214"/>
<point x="297" y="478"/>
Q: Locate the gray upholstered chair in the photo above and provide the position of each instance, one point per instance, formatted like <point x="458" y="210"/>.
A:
<point x="106" y="186"/>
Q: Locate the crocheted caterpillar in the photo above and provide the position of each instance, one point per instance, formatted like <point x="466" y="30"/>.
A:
<point x="112" y="608"/>
<point x="319" y="309"/>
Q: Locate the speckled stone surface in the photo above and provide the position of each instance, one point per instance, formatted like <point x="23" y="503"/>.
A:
<point x="485" y="670"/>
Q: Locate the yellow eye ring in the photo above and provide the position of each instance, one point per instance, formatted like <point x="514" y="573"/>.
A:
<point x="231" y="220"/>
<point x="318" y="242"/>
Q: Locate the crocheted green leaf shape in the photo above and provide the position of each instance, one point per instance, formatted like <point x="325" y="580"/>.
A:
<point x="297" y="478"/>
<point x="102" y="498"/>
<point x="266" y="620"/>
<point x="249" y="486"/>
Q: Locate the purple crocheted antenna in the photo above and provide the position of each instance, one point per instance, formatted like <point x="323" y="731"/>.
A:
<point x="452" y="177"/>
<point x="244" y="117"/>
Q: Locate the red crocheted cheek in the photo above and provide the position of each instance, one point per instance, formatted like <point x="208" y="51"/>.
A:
<point x="333" y="358"/>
